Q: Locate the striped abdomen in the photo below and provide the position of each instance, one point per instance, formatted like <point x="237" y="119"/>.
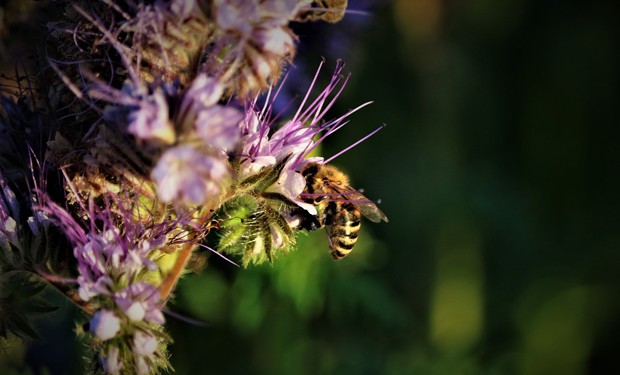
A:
<point x="345" y="227"/>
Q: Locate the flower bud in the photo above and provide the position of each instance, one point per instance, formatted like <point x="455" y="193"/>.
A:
<point x="144" y="344"/>
<point x="105" y="324"/>
<point x="111" y="363"/>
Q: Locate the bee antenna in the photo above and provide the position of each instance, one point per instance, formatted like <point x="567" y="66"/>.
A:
<point x="358" y="12"/>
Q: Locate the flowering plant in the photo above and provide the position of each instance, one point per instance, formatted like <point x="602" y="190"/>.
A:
<point x="150" y="141"/>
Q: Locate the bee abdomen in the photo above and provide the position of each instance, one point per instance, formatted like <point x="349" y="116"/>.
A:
<point x="344" y="230"/>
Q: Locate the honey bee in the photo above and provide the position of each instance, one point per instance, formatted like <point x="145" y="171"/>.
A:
<point x="339" y="205"/>
<point x="331" y="11"/>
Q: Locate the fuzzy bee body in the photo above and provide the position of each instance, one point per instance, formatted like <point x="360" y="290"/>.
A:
<point x="345" y="221"/>
<point x="339" y="206"/>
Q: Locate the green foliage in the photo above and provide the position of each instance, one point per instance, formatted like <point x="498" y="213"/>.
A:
<point x="20" y="301"/>
<point x="302" y="302"/>
<point x="29" y="246"/>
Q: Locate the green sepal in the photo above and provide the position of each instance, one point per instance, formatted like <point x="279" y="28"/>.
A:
<point x="248" y="225"/>
<point x="252" y="222"/>
<point x="259" y="182"/>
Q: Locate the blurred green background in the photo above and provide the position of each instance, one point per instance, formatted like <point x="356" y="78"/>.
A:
<point x="499" y="170"/>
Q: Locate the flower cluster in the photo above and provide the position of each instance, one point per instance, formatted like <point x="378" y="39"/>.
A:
<point x="161" y="148"/>
<point x="116" y="267"/>
<point x="193" y="170"/>
<point x="254" y="41"/>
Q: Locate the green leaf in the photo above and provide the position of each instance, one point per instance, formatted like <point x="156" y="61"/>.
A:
<point x="40" y="306"/>
<point x="20" y="301"/>
<point x="22" y="327"/>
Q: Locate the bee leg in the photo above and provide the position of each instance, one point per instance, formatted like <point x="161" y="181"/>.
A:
<point x="302" y="219"/>
<point x="329" y="238"/>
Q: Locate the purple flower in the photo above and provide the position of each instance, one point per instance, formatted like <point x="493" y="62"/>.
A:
<point x="200" y="115"/>
<point x="111" y="363"/>
<point x="219" y="126"/>
<point x="105" y="324"/>
<point x="236" y="15"/>
<point x="142" y="368"/>
<point x="93" y="276"/>
<point x="297" y="136"/>
<point x="254" y="40"/>
<point x="90" y="287"/>
<point x="295" y="139"/>
<point x="150" y="121"/>
<point x="275" y="40"/>
<point x="185" y="9"/>
<point x="8" y="232"/>
<point x="9" y="208"/>
<point x="204" y="91"/>
<point x="140" y="301"/>
<point x="144" y="344"/>
<point x="185" y="175"/>
<point x="106" y="257"/>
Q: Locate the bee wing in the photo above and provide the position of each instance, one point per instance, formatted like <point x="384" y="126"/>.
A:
<point x="367" y="207"/>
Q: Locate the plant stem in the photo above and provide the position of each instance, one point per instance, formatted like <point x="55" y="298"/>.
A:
<point x="166" y="287"/>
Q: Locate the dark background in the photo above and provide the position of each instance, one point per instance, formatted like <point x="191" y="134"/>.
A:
<point x="498" y="169"/>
